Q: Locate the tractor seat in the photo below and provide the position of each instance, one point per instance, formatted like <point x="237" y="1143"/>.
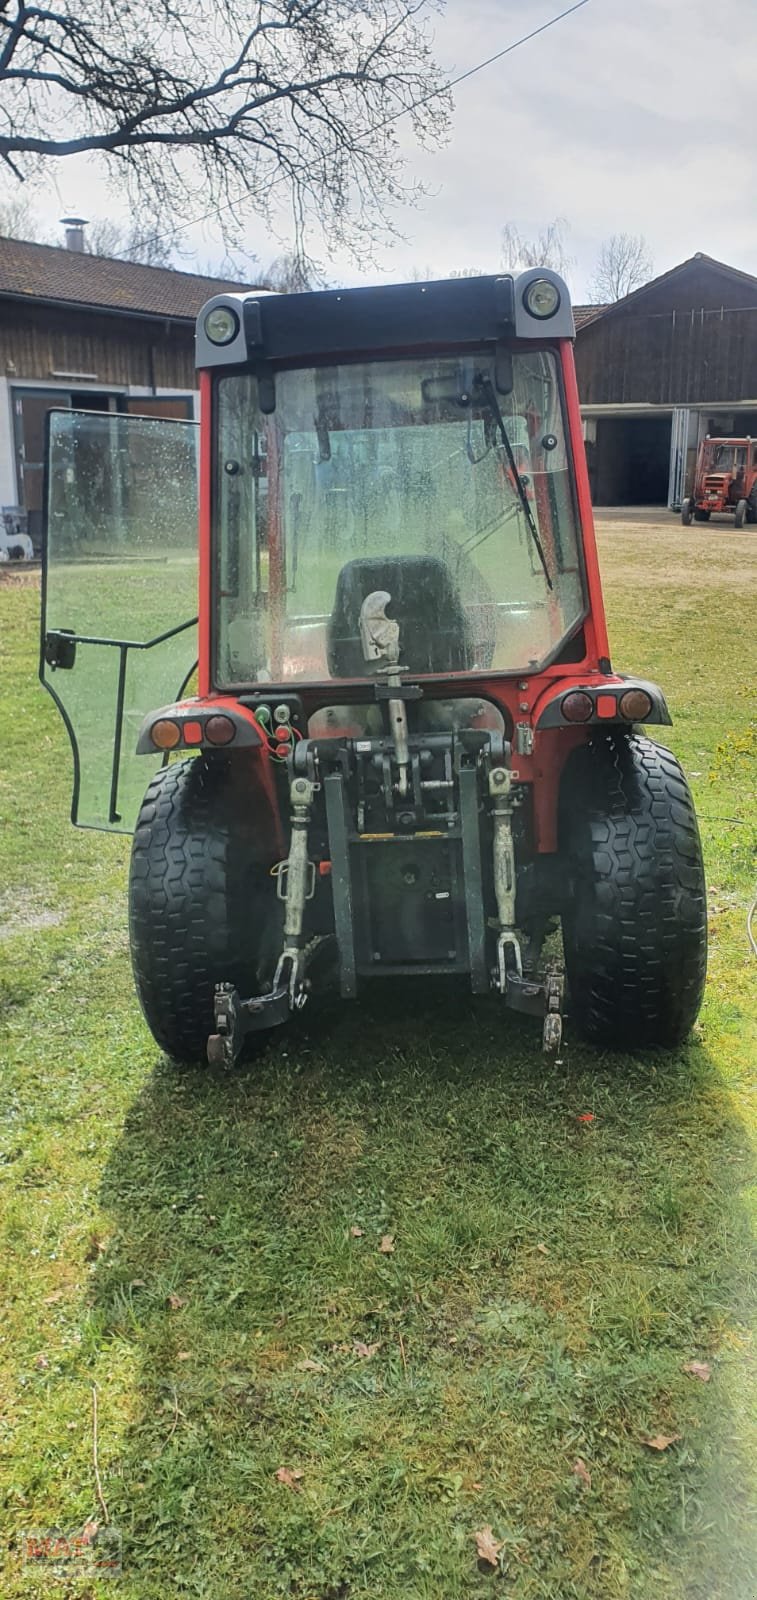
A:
<point x="434" y="631"/>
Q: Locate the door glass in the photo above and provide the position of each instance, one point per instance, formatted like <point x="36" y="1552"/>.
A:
<point x="120" y="596"/>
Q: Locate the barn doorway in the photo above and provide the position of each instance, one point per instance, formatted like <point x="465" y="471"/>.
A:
<point x="630" y="461"/>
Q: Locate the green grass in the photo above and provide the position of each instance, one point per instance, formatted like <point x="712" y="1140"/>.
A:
<point x="549" y="1279"/>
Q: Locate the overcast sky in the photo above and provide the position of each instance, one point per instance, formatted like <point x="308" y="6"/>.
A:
<point x="630" y="115"/>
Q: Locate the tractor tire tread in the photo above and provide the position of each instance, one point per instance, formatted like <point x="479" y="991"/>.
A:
<point x="636" y="939"/>
<point x="187" y="924"/>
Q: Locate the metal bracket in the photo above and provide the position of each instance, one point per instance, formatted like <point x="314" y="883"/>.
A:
<point x="235" y="1018"/>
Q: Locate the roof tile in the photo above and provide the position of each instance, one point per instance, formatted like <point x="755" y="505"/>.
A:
<point x="48" y="272"/>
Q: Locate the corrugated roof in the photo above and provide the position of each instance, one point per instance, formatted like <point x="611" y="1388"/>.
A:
<point x="47" y="272"/>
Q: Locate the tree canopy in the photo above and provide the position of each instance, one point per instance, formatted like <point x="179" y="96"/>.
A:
<point x="227" y="110"/>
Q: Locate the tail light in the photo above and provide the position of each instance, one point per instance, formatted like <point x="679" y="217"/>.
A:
<point x="219" y="730"/>
<point x="577" y="707"/>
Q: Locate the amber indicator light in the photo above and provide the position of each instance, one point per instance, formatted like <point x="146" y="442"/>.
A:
<point x="635" y="705"/>
<point x="165" y="734"/>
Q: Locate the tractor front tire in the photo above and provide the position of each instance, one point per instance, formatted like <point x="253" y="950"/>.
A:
<point x="202" y="905"/>
<point x="635" y="916"/>
<point x="687" y="513"/>
<point x="741" y="514"/>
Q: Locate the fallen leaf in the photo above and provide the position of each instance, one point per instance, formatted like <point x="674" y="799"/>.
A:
<point x="89" y="1532"/>
<point x="309" y="1366"/>
<point x="95" y="1247"/>
<point x="138" y="1283"/>
<point x="365" y="1350"/>
<point x="356" y="1232"/>
<point x="52" y="1299"/>
<point x="698" y="1369"/>
<point x="487" y="1547"/>
<point x="661" y="1441"/>
<point x="386" y="1247"/>
<point x="476" y="1486"/>
<point x="175" y="1302"/>
<point x="41" y="1362"/>
<point x="581" y="1471"/>
<point x="585" y="1116"/>
<point x="542" y="1248"/>
<point x="290" y="1477"/>
<point x="183" y="1355"/>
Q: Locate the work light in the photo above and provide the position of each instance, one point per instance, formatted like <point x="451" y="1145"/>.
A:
<point x="542" y="298"/>
<point x="221" y="325"/>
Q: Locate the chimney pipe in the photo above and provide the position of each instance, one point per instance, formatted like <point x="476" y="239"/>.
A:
<point x="74" y="227"/>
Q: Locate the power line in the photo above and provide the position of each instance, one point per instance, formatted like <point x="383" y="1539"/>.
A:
<point x="415" y="105"/>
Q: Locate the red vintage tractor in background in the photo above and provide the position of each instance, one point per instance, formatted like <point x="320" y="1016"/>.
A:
<point x="725" y="481"/>
<point x="407" y="752"/>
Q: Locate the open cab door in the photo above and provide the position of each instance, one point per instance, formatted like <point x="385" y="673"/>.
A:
<point x="119" y="594"/>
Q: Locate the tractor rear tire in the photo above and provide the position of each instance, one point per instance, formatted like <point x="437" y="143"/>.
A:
<point x="741" y="513"/>
<point x="702" y="516"/>
<point x="202" y="904"/>
<point x="635" y="917"/>
<point x="687" y="513"/>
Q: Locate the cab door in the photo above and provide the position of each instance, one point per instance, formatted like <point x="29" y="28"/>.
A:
<point x="119" y="595"/>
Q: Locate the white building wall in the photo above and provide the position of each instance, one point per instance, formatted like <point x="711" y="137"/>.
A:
<point x="8" y="494"/>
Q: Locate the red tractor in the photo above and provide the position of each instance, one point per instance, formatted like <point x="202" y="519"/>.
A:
<point x="406" y="752"/>
<point x="725" y="480"/>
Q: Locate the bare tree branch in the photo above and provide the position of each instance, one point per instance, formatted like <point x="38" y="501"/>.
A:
<point x="232" y="109"/>
<point x="624" y="264"/>
<point x="547" y="249"/>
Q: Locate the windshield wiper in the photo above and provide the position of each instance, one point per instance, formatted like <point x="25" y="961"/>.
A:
<point x="483" y="389"/>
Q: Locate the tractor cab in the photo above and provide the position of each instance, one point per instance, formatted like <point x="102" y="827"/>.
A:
<point x="725" y="481"/>
<point x="386" y="741"/>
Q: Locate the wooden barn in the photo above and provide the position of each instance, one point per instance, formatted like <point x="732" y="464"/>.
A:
<point x="659" y="370"/>
<point x="92" y="333"/>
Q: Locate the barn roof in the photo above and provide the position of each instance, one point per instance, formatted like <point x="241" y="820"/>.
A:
<point x="584" y="314"/>
<point x="693" y="263"/>
<point x="52" y="273"/>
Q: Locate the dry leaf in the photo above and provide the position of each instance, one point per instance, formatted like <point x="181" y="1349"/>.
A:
<point x="542" y="1248"/>
<point x="487" y="1547"/>
<point x="581" y="1471"/>
<point x="183" y="1355"/>
<point x="386" y="1246"/>
<point x="41" y="1362"/>
<point x="52" y="1299"/>
<point x="356" y="1232"/>
<point x="95" y="1247"/>
<point x="310" y="1366"/>
<point x="290" y="1476"/>
<point x="698" y="1369"/>
<point x="138" y="1283"/>
<point x="366" y="1350"/>
<point x="175" y="1302"/>
<point x="661" y="1441"/>
<point x="89" y="1532"/>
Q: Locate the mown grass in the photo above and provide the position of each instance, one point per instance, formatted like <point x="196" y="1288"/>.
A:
<point x="186" y="1244"/>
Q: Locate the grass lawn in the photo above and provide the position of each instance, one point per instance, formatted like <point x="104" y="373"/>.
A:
<point x="206" y="1252"/>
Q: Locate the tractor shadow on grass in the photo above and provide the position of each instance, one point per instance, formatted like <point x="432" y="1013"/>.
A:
<point x="529" y="1254"/>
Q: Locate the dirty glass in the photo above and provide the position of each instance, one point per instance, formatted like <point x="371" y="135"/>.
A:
<point x="121" y="565"/>
<point x="400" y="463"/>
